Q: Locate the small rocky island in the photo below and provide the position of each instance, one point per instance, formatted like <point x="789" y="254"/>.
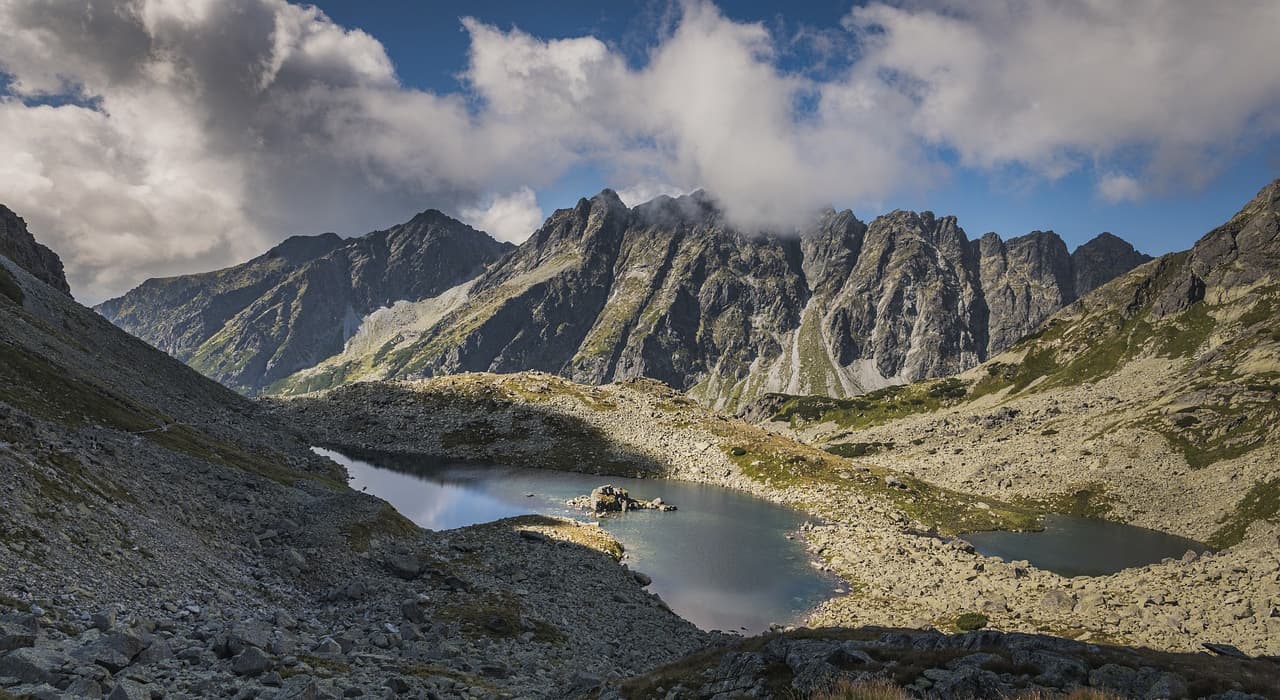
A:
<point x="615" y="499"/>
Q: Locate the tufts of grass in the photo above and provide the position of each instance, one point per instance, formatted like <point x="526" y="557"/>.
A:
<point x="387" y="523"/>
<point x="500" y="616"/>
<point x="334" y="666"/>
<point x="970" y="621"/>
<point x="874" y="408"/>
<point x="1261" y="502"/>
<point x="862" y="690"/>
<point x="857" y="449"/>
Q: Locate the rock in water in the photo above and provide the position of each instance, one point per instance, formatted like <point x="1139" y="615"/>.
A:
<point x="614" y="499"/>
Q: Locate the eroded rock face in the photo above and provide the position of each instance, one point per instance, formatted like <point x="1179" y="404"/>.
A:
<point x="17" y="244"/>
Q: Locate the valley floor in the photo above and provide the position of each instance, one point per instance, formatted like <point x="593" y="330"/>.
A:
<point x="881" y="529"/>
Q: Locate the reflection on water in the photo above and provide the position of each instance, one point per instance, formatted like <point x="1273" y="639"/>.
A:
<point x="722" y="560"/>
<point x="1073" y="546"/>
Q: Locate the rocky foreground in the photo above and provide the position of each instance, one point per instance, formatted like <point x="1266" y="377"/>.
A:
<point x="161" y="536"/>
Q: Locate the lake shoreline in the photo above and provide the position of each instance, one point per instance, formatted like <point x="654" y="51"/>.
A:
<point x="865" y="533"/>
<point x="727" y="561"/>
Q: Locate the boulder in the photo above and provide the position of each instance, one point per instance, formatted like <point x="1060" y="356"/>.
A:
<point x="403" y="566"/>
<point x="32" y="665"/>
<point x="112" y="651"/>
<point x="1058" y="600"/>
<point x="615" y="499"/>
<point x="130" y="690"/>
<point x="15" y="636"/>
<point x="298" y="688"/>
<point x="251" y="662"/>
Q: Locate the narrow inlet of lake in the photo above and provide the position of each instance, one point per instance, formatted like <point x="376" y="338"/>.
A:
<point x="723" y="560"/>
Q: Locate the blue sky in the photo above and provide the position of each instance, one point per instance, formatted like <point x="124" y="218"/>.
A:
<point x="173" y="136"/>
<point x="429" y="48"/>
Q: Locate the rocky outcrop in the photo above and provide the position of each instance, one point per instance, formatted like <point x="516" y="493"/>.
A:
<point x="1023" y="280"/>
<point x="252" y="324"/>
<point x="17" y="244"/>
<point x="615" y="499"/>
<point x="669" y="291"/>
<point x="1103" y="259"/>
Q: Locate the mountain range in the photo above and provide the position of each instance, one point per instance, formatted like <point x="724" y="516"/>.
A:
<point x="601" y="292"/>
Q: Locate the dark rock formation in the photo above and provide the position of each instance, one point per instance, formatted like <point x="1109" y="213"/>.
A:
<point x="1102" y="259"/>
<point x="615" y="499"/>
<point x="17" y="244"/>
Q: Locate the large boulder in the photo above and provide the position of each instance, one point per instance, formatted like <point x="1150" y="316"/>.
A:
<point x="615" y="499"/>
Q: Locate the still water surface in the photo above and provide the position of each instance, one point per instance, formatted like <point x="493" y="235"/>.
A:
<point x="722" y="561"/>
<point x="1074" y="546"/>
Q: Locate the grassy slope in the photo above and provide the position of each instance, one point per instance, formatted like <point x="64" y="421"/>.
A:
<point x="1221" y="402"/>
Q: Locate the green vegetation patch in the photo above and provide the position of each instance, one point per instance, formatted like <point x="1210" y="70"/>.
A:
<point x="875" y="408"/>
<point x="336" y="667"/>
<point x="781" y="463"/>
<point x="388" y="522"/>
<point x="858" y="449"/>
<point x="1261" y="502"/>
<point x="498" y="615"/>
<point x="1217" y="432"/>
<point x="1087" y="501"/>
<point x="970" y="621"/>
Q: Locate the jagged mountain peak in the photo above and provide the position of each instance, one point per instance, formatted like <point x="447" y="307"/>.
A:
<point x="695" y="208"/>
<point x="298" y="249"/>
<point x="251" y="324"/>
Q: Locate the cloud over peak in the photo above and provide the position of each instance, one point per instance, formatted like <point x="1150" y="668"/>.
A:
<point x="151" y="137"/>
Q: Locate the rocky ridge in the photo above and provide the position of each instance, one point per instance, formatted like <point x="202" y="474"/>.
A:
<point x="665" y="290"/>
<point x="297" y="304"/>
<point x="668" y="291"/>
<point x="18" y="245"/>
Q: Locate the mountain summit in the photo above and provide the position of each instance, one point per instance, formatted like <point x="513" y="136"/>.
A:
<point x="296" y="304"/>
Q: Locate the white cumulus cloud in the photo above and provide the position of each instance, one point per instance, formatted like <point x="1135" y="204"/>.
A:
<point x="198" y="132"/>
<point x="512" y="217"/>
<point x="1118" y="187"/>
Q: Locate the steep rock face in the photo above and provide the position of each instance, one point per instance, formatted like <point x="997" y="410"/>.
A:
<point x="17" y="244"/>
<point x="1103" y="259"/>
<point x="1024" y="279"/>
<point x="290" y="308"/>
<point x="668" y="291"/>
